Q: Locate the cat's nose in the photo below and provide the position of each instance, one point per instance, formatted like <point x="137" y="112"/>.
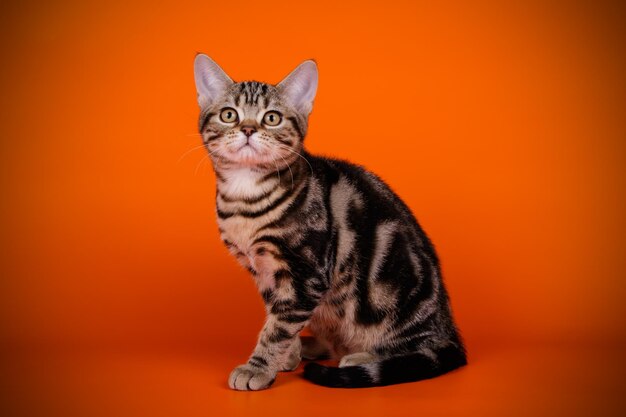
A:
<point x="248" y="130"/>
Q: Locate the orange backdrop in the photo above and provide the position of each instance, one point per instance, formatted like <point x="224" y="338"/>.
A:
<point x="508" y="141"/>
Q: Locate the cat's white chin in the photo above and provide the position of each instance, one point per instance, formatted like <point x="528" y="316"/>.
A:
<point x="247" y="155"/>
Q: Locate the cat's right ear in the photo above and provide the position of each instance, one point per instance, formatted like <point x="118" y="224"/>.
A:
<point x="211" y="80"/>
<point x="300" y="86"/>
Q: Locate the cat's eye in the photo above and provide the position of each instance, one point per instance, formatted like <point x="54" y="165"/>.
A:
<point x="272" y="118"/>
<point x="228" y="115"/>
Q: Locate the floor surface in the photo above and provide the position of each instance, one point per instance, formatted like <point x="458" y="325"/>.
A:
<point x="520" y="381"/>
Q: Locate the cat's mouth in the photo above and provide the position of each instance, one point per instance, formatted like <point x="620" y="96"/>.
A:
<point x="244" y="146"/>
<point x="247" y="153"/>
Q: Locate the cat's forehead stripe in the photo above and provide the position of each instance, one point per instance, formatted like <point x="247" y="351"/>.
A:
<point x="251" y="91"/>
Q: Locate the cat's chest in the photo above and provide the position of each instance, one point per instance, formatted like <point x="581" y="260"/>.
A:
<point x="239" y="232"/>
<point x="237" y="194"/>
<point x="263" y="259"/>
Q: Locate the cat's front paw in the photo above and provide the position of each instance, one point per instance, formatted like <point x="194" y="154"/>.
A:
<point x="249" y="378"/>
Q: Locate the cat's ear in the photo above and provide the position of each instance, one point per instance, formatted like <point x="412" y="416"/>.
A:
<point x="300" y="86"/>
<point x="211" y="80"/>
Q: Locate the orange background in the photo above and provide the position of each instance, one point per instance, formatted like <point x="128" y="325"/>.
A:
<point x="501" y="125"/>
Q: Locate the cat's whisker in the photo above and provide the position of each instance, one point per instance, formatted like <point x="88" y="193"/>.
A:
<point x="219" y="157"/>
<point x="202" y="161"/>
<point x="215" y="152"/>
<point x="294" y="152"/>
<point x="265" y="144"/>
<point x="189" y="151"/>
<point x="204" y="158"/>
<point x="290" y="171"/>
<point x="277" y="170"/>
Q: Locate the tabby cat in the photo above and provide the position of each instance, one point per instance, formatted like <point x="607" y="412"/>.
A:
<point x="329" y="245"/>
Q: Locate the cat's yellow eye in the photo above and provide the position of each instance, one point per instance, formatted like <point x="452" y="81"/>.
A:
<point x="228" y="115"/>
<point x="272" y="118"/>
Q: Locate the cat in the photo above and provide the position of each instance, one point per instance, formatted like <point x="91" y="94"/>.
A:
<point x="330" y="246"/>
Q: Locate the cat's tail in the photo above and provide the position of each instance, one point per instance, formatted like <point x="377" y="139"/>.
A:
<point x="394" y="370"/>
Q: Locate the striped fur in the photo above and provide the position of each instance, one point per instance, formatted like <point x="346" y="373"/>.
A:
<point x="329" y="245"/>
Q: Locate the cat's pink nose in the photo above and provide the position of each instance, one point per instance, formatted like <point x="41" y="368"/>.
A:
<point x="248" y="130"/>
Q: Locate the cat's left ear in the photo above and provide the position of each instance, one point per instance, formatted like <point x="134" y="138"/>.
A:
<point x="211" y="80"/>
<point x="300" y="86"/>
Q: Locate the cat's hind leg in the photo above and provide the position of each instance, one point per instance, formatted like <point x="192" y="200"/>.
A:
<point x="305" y="347"/>
<point x="313" y="349"/>
<point x="357" y="358"/>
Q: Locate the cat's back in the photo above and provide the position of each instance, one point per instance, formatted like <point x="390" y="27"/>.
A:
<point x="361" y="193"/>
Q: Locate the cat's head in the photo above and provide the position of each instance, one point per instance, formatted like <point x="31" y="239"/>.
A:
<point x="251" y="123"/>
